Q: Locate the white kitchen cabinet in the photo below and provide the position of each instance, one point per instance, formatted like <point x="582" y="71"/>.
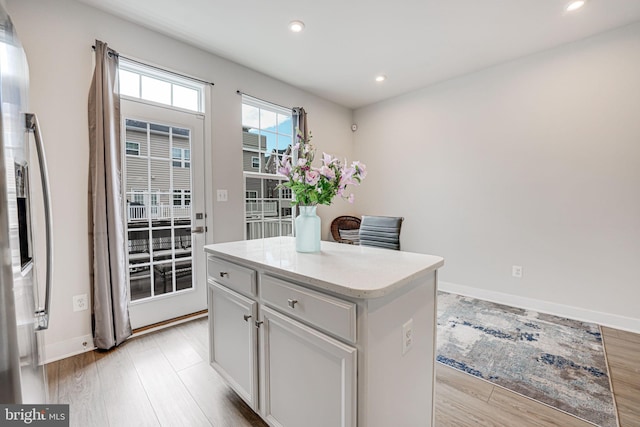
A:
<point x="324" y="344"/>
<point x="233" y="340"/>
<point x="308" y="378"/>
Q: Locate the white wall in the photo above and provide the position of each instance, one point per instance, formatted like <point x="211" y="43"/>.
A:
<point x="535" y="163"/>
<point x="57" y="37"/>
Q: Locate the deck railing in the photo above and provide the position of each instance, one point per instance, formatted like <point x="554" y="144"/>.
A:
<point x="255" y="209"/>
<point x="144" y="213"/>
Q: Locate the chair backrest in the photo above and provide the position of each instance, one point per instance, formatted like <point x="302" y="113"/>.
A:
<point x="381" y="231"/>
<point x="345" y="228"/>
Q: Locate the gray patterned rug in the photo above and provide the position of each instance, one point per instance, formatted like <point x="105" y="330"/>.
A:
<point x="556" y="361"/>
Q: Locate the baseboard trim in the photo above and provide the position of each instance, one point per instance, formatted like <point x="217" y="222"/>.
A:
<point x="604" y="319"/>
<point x="168" y="323"/>
<point x="71" y="347"/>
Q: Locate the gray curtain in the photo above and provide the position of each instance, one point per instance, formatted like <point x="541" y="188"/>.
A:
<point x="300" y="121"/>
<point x="111" y="325"/>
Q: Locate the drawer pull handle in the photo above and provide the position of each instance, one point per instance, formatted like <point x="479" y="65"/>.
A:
<point x="292" y="303"/>
<point x="258" y="323"/>
<point x="247" y="317"/>
<point x="224" y="273"/>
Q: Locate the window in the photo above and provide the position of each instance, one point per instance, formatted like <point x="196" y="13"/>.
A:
<point x="181" y="197"/>
<point x="267" y="134"/>
<point x="133" y="148"/>
<point x="146" y="83"/>
<point x="181" y="157"/>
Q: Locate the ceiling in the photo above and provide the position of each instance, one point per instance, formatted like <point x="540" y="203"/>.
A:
<point x="346" y="43"/>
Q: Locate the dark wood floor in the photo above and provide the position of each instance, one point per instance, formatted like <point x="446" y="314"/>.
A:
<point x="163" y="379"/>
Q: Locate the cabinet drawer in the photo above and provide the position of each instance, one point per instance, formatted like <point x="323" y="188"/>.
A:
<point x="233" y="276"/>
<point x="323" y="311"/>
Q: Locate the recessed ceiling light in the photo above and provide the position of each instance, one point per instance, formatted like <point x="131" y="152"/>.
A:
<point x="381" y="78"/>
<point x="575" y="5"/>
<point x="296" y="26"/>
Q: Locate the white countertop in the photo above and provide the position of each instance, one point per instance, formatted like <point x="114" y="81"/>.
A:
<point x="355" y="271"/>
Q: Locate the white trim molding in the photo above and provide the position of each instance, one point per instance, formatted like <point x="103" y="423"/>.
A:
<point x="71" y="347"/>
<point x="604" y="319"/>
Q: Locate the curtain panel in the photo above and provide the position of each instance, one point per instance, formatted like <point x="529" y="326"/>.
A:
<point x="111" y="324"/>
<point x="300" y="121"/>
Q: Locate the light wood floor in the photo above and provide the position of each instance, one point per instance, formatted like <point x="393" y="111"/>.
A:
<point x="163" y="378"/>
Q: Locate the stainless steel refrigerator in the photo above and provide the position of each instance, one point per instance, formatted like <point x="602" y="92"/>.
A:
<point x="24" y="302"/>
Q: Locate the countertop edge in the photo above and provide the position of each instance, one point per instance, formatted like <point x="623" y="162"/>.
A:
<point x="329" y="286"/>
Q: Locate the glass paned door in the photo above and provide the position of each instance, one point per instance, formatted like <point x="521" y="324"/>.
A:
<point x="162" y="200"/>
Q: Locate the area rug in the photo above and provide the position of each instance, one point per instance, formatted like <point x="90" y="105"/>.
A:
<point x="556" y="361"/>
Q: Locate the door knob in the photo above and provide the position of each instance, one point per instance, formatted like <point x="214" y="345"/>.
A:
<point x="199" y="229"/>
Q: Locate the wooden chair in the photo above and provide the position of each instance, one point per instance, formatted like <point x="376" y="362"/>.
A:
<point x="345" y="223"/>
<point x="381" y="231"/>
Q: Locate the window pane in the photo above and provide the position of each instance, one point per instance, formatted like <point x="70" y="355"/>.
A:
<point x="271" y="140"/>
<point x="180" y="131"/>
<point x="250" y="116"/>
<point x="268" y="120"/>
<point x="184" y="97"/>
<point x="139" y="282"/>
<point x="254" y="185"/>
<point x="187" y="154"/>
<point x="176" y="153"/>
<point x="129" y="83"/>
<point x="285" y="124"/>
<point x="283" y="142"/>
<point x="159" y="144"/>
<point x="159" y="128"/>
<point x="156" y="90"/>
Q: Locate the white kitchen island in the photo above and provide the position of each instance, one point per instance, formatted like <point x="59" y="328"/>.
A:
<point x="344" y="337"/>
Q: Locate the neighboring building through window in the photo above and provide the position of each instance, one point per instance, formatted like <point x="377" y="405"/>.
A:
<point x="267" y="134"/>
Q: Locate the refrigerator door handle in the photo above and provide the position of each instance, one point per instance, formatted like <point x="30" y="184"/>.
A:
<point x="42" y="314"/>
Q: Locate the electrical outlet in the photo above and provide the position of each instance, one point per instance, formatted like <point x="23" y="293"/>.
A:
<point x="80" y="302"/>
<point x="516" y="271"/>
<point x="223" y="195"/>
<point x="407" y="336"/>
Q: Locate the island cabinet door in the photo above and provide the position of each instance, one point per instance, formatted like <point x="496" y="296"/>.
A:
<point x="309" y="378"/>
<point x="233" y="340"/>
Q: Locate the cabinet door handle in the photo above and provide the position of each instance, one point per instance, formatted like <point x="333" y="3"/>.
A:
<point x="224" y="273"/>
<point x="247" y="317"/>
<point x="258" y="323"/>
<point x="292" y="303"/>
